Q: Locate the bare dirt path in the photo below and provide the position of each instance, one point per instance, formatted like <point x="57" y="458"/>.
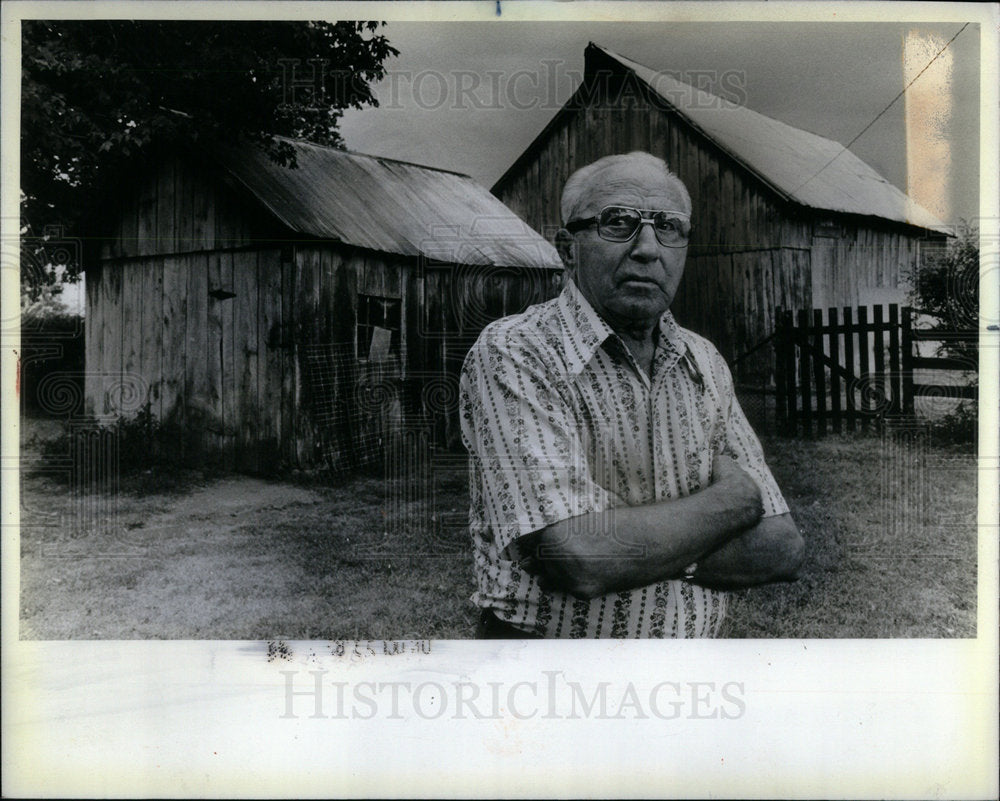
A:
<point x="175" y="555"/>
<point x="163" y="573"/>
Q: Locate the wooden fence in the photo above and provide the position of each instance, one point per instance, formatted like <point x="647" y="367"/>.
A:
<point x="855" y="367"/>
<point x="912" y="363"/>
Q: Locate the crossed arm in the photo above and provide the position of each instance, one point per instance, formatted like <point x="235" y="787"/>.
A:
<point x="719" y="527"/>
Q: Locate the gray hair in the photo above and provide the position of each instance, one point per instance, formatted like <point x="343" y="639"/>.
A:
<point x="583" y="178"/>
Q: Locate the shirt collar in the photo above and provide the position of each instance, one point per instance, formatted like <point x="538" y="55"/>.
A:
<point x="585" y="331"/>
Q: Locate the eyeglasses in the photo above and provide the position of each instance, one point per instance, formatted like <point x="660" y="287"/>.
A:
<point x="621" y="223"/>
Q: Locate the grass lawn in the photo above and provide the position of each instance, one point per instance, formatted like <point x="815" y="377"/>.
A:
<point x="890" y="532"/>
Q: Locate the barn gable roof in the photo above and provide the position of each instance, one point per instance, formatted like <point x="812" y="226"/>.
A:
<point x="800" y="166"/>
<point x="389" y="206"/>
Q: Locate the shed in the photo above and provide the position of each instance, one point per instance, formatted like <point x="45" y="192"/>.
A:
<point x="277" y="315"/>
<point x="781" y="217"/>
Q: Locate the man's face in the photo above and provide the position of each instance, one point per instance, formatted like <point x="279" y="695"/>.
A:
<point x="628" y="283"/>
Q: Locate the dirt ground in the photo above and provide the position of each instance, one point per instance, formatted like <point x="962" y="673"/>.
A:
<point x="230" y="558"/>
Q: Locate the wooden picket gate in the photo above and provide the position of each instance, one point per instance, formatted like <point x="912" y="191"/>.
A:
<point x="853" y="369"/>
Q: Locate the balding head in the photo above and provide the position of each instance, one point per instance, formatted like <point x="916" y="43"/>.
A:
<point x="582" y="182"/>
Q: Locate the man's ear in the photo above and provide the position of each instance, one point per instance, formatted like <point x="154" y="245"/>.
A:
<point x="566" y="247"/>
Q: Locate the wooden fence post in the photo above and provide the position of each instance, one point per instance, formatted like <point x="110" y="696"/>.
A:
<point x="789" y="371"/>
<point x="780" y="404"/>
<point x="907" y="361"/>
<point x="852" y="410"/>
<point x="895" y="377"/>
<point x="804" y="388"/>
<point x="819" y="372"/>
<point x="834" y="375"/>
<point x="878" y="343"/>
<point x="863" y="371"/>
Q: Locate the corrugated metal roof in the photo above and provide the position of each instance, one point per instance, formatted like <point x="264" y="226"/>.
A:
<point x="389" y="206"/>
<point x="802" y="166"/>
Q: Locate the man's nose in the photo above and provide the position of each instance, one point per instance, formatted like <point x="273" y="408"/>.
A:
<point x="644" y="246"/>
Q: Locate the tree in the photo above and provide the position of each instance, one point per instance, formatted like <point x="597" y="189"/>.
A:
<point x="99" y="95"/>
<point x="946" y="287"/>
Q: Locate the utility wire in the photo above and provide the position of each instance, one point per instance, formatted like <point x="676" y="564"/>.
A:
<point x="883" y="111"/>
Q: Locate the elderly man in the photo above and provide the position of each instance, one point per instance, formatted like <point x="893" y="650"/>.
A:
<point x="617" y="488"/>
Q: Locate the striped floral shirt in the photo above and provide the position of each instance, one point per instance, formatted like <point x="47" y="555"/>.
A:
<point x="560" y="421"/>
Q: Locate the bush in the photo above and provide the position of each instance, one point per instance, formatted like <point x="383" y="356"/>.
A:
<point x="946" y="288"/>
<point x="148" y="453"/>
<point x="52" y="355"/>
<point x="959" y="427"/>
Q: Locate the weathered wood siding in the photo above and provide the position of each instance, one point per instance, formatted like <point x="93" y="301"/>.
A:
<point x="160" y="336"/>
<point x="179" y="208"/>
<point x="751" y="252"/>
<point x="208" y="368"/>
<point x="863" y="265"/>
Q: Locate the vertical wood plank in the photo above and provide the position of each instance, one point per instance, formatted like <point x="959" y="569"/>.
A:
<point x="406" y="274"/>
<point x="184" y="205"/>
<point x="113" y="247"/>
<point x="306" y="339"/>
<point x="819" y="371"/>
<point x="712" y="191"/>
<point x="245" y="356"/>
<point x="230" y="401"/>
<point x="779" y="346"/>
<point x="147" y="240"/>
<point x="727" y="231"/>
<point x="895" y="370"/>
<point x="111" y="286"/>
<point x="151" y="333"/>
<point x="835" y="411"/>
<point x="174" y="343"/>
<point x="196" y="393"/>
<point x="166" y="223"/>
<point x="659" y="144"/>
<point x="288" y="355"/>
<point x="129" y="242"/>
<point x="804" y="371"/>
<point x="878" y="346"/>
<point x="906" y="348"/>
<point x="788" y="326"/>
<point x="202" y="214"/>
<point x="93" y="332"/>
<point x="216" y="433"/>
<point x="268" y="348"/>
<point x="850" y="388"/>
<point x="864" y="373"/>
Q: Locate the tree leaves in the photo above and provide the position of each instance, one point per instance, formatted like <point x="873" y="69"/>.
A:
<point x="99" y="95"/>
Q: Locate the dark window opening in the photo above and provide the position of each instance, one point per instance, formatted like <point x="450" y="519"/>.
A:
<point x="375" y="317"/>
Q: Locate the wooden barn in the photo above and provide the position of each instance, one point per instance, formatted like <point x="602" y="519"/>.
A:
<point x="781" y="217"/>
<point x="272" y="315"/>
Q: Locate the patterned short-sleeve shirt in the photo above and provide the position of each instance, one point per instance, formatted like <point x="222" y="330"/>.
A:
<point x="560" y="421"/>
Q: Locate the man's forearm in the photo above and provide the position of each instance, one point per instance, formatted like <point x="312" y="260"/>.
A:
<point x="772" y="550"/>
<point x="633" y="546"/>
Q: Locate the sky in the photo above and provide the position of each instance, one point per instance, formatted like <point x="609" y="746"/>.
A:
<point x="470" y="97"/>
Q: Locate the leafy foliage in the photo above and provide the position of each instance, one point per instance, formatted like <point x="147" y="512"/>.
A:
<point x="946" y="288"/>
<point x="97" y="96"/>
